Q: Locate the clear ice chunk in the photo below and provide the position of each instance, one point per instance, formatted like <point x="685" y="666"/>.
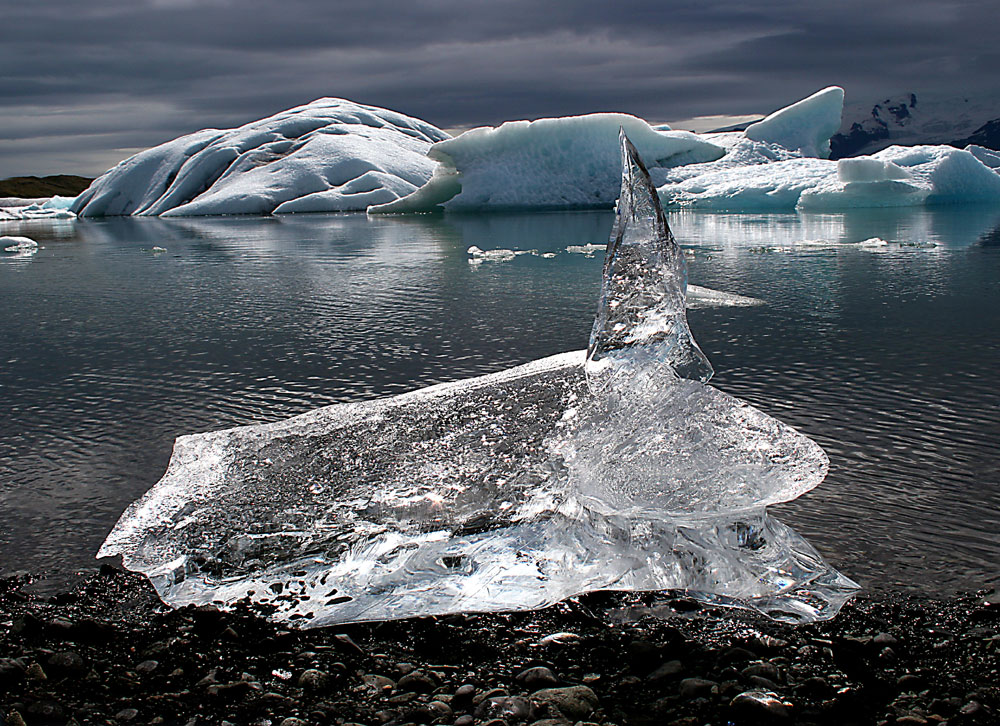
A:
<point x="614" y="468"/>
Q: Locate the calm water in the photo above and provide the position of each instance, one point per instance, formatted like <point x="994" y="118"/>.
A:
<point x="887" y="356"/>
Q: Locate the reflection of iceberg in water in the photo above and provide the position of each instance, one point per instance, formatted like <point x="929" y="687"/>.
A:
<point x="620" y="469"/>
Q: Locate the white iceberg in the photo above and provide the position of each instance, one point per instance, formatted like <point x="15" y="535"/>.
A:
<point x="331" y="155"/>
<point x="805" y="126"/>
<point x="773" y="166"/>
<point x="551" y="163"/>
<point x="618" y="468"/>
<point x="47" y="208"/>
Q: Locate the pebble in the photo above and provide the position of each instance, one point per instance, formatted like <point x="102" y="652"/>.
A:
<point x="35" y="673"/>
<point x="668" y="670"/>
<point x="513" y="709"/>
<point x="67" y="663"/>
<point x="464" y="695"/>
<point x="147" y="667"/>
<point x="380" y="684"/>
<point x="559" y="639"/>
<point x="314" y="680"/>
<point x="127" y="714"/>
<point x="416" y="682"/>
<point x="465" y="720"/>
<point x="762" y="669"/>
<point x="697" y="688"/>
<point x="572" y="701"/>
<point x="760" y="704"/>
<point x="537" y="677"/>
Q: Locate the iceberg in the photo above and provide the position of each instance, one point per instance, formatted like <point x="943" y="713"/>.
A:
<point x="780" y="164"/>
<point x="898" y="176"/>
<point x="551" y="163"/>
<point x="617" y="467"/>
<point x="26" y="210"/>
<point x="805" y="126"/>
<point x="331" y="155"/>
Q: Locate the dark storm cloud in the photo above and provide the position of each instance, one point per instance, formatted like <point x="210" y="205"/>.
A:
<point x="93" y="81"/>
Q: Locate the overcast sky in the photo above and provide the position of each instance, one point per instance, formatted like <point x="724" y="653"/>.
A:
<point x="85" y="83"/>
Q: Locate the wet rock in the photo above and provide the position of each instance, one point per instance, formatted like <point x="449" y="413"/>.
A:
<point x="512" y="709"/>
<point x="45" y="708"/>
<point x="416" y="682"/>
<point x="760" y="705"/>
<point x="66" y="664"/>
<point x="292" y="721"/>
<point x="314" y="680"/>
<point x="815" y="687"/>
<point x="15" y="719"/>
<point x="670" y="669"/>
<point x="346" y="644"/>
<point x="377" y="683"/>
<point x="420" y="713"/>
<point x="575" y="702"/>
<point x="229" y="692"/>
<point x="11" y="671"/>
<point x="464" y="695"/>
<point x="737" y="655"/>
<point x="697" y="688"/>
<point x="761" y="669"/>
<point x="559" y="639"/>
<point x="537" y="677"/>
<point x="147" y="667"/>
<point x="35" y="673"/>
<point x="465" y="720"/>
<point x="643" y="656"/>
<point x="883" y="640"/>
<point x="126" y="714"/>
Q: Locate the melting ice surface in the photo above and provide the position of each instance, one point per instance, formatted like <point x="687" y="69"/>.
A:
<point x="614" y="468"/>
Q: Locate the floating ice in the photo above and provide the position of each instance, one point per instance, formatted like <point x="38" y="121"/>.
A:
<point x="24" y="209"/>
<point x="551" y="163"/>
<point x="477" y="255"/>
<point x="618" y="468"/>
<point x="895" y="177"/>
<point x="706" y="297"/>
<point x="18" y="244"/>
<point x="588" y="249"/>
<point x="331" y="155"/>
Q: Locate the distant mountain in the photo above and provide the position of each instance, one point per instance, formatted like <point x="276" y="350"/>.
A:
<point x="909" y="119"/>
<point x="33" y="187"/>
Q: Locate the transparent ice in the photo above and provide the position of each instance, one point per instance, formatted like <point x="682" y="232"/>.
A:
<point x="618" y="468"/>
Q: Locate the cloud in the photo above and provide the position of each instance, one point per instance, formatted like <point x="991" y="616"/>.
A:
<point x="160" y="68"/>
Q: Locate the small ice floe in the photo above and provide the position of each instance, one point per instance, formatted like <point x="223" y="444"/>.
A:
<point x="19" y="245"/>
<point x="477" y="256"/>
<point x="588" y="249"/>
<point x="705" y="297"/>
<point x="548" y="255"/>
<point x="873" y="242"/>
<point x="158" y="250"/>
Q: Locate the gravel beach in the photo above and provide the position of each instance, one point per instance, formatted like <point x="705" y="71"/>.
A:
<point x="109" y="652"/>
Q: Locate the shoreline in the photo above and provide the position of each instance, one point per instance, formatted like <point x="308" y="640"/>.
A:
<point x="110" y="652"/>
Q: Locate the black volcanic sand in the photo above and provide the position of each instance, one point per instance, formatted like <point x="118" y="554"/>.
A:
<point x="109" y="652"/>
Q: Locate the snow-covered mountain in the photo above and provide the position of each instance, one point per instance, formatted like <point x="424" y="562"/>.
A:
<point x="910" y="119"/>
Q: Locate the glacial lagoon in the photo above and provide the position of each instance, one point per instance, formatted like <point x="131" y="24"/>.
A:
<point x="878" y="337"/>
